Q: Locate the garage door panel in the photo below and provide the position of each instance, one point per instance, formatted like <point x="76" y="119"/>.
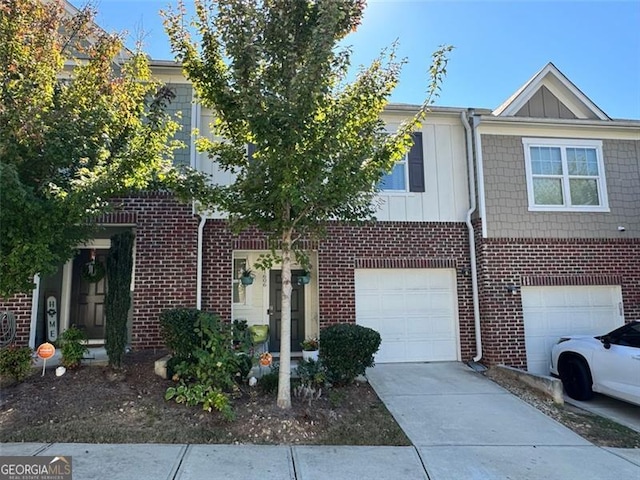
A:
<point x="414" y="310"/>
<point x="441" y="301"/>
<point x="391" y="302"/>
<point x="552" y="312"/>
<point x="419" y="300"/>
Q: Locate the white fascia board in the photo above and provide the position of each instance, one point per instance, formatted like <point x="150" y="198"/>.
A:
<point x="560" y="128"/>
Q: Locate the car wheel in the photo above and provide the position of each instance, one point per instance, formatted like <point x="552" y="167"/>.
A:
<point x="576" y="379"/>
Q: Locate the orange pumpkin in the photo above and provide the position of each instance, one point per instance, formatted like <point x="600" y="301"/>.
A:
<point x="266" y="359"/>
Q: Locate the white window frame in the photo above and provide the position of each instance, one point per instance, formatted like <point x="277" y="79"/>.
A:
<point x="563" y="144"/>
<point x="404" y="161"/>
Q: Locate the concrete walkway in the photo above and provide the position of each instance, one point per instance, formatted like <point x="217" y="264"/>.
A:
<point x="229" y="462"/>
<point x="463" y="426"/>
<point x="466" y="427"/>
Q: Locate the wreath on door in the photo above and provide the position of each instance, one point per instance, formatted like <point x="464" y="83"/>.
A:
<point x="93" y="271"/>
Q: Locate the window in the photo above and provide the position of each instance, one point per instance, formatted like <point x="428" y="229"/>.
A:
<point x="239" y="290"/>
<point x="565" y="175"/>
<point x="396" y="180"/>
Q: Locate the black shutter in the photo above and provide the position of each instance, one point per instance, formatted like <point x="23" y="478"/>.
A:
<point x="415" y="162"/>
<point x="251" y="149"/>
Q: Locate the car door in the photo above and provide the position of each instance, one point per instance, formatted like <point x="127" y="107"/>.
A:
<point x="616" y="370"/>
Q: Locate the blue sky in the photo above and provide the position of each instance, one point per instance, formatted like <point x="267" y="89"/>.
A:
<point x="499" y="45"/>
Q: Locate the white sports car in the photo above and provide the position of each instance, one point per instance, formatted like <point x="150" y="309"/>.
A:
<point x="608" y="364"/>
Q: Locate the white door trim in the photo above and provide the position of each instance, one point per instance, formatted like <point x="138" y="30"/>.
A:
<point x="67" y="277"/>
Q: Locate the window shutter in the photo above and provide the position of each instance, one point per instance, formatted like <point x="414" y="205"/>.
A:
<point x="415" y="162"/>
<point x="251" y="149"/>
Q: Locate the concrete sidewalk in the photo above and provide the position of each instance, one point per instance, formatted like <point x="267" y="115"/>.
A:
<point x="466" y="427"/>
<point x="229" y="462"/>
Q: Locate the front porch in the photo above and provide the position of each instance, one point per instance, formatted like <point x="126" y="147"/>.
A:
<point x="260" y="302"/>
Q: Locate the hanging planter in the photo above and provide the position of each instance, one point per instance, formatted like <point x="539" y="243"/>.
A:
<point x="247" y="277"/>
<point x="305" y="278"/>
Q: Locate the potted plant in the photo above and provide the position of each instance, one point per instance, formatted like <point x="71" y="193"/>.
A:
<point x="310" y="349"/>
<point x="246" y="277"/>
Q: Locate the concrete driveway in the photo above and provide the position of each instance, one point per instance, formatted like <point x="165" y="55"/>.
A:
<point x="465" y="426"/>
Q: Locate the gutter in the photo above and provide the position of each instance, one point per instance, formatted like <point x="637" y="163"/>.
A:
<point x="472" y="241"/>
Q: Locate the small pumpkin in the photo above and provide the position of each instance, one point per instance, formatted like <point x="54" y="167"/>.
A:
<point x="266" y="359"/>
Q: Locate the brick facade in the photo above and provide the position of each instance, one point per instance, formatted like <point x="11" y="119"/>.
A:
<point x="165" y="264"/>
<point x="546" y="262"/>
<point x="20" y="306"/>
<point x="379" y="245"/>
<point x="165" y="275"/>
<point x="393" y="245"/>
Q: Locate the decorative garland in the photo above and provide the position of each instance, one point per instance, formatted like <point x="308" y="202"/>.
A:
<point x="98" y="271"/>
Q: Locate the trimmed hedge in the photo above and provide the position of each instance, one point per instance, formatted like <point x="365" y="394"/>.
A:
<point x="346" y="350"/>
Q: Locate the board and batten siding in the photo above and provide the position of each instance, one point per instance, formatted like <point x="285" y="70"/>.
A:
<point x="446" y="197"/>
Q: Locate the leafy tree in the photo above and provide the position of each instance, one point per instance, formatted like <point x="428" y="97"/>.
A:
<point x="80" y="121"/>
<point x="274" y="76"/>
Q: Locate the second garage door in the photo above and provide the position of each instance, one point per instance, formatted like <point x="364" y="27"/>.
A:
<point x="552" y="312"/>
<point x="414" y="310"/>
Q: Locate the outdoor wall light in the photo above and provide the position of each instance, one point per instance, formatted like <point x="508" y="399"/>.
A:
<point x="466" y="271"/>
<point x="512" y="288"/>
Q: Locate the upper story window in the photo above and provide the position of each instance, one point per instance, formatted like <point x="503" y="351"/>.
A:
<point x="396" y="180"/>
<point x="565" y="175"/>
<point x="408" y="173"/>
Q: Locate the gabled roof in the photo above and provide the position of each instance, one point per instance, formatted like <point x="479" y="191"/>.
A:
<point x="554" y="81"/>
<point x="71" y="10"/>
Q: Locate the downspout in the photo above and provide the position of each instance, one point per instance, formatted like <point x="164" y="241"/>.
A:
<point x="203" y="220"/>
<point x="472" y="241"/>
<point x="193" y="157"/>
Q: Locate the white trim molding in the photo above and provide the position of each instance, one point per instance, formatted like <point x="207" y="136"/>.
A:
<point x="565" y="177"/>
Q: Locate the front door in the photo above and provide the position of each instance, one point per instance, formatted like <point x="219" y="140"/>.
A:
<point x="88" y="293"/>
<point x="275" y="310"/>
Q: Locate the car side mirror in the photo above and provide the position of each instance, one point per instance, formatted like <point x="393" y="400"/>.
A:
<point x="606" y="342"/>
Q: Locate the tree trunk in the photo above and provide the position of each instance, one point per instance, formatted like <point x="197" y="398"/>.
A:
<point x="284" y="378"/>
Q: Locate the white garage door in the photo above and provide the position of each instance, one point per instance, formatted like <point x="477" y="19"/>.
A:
<point x="414" y="310"/>
<point x="552" y="312"/>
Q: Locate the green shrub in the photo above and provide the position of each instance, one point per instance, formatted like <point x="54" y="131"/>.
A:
<point x="268" y="382"/>
<point x="347" y="350"/>
<point x="213" y="369"/>
<point x="178" y="329"/>
<point x="241" y="336"/>
<point x="16" y="362"/>
<point x="196" y="394"/>
<point x="73" y="345"/>
<point x="312" y="374"/>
